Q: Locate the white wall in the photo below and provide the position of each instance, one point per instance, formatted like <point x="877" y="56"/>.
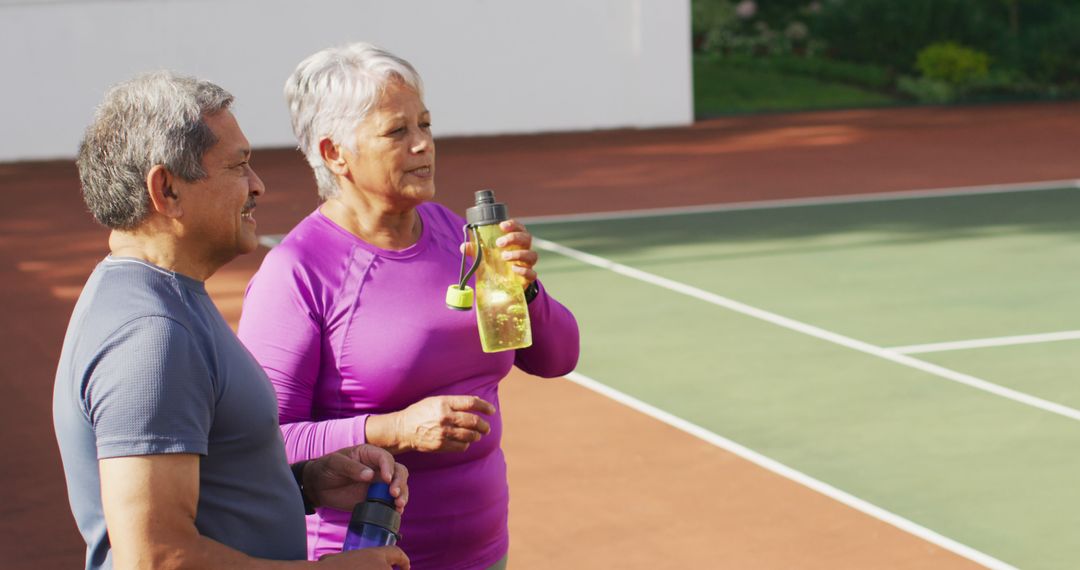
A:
<point x="489" y="66"/>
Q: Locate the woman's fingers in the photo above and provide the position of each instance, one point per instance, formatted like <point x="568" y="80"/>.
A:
<point x="451" y="422"/>
<point x="526" y="257"/>
<point x="468" y="421"/>
<point x="469" y="404"/>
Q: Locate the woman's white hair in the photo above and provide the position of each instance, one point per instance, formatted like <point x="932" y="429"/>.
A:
<point x="331" y="92"/>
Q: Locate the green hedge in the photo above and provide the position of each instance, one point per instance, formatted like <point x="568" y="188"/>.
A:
<point x="862" y="75"/>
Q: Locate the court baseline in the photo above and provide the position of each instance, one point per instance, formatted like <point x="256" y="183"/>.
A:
<point x="789" y="473"/>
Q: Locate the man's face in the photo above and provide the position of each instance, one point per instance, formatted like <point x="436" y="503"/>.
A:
<point x="218" y="211"/>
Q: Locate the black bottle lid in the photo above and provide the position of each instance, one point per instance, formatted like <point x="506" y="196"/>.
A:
<point x="378" y="510"/>
<point x="486" y="211"/>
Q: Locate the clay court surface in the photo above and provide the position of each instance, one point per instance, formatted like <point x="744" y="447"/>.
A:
<point x="595" y="484"/>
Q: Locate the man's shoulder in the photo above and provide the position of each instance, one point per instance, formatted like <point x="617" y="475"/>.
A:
<point x="122" y="291"/>
<point x="125" y="285"/>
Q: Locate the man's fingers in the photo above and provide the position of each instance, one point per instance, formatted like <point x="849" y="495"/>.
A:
<point x="398" y="487"/>
<point x="396" y="557"/>
<point x="470" y="404"/>
<point x="377" y="459"/>
<point x="347" y="466"/>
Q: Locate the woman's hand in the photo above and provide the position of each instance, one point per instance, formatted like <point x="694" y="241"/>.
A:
<point x="517" y="250"/>
<point x="435" y="424"/>
<point x="517" y="245"/>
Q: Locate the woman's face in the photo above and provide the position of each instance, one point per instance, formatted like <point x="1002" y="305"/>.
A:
<point x="395" y="153"/>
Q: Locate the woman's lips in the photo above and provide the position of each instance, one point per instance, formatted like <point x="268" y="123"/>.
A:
<point x="422" y="172"/>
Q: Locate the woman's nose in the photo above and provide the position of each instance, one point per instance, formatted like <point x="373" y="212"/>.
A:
<point x="422" y="143"/>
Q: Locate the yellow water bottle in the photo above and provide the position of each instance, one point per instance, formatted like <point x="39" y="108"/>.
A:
<point x="502" y="314"/>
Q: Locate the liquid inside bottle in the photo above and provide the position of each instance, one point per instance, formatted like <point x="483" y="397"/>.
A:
<point x="501" y="311"/>
<point x="368" y="536"/>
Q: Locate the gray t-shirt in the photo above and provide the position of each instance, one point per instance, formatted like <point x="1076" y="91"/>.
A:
<point x="150" y="366"/>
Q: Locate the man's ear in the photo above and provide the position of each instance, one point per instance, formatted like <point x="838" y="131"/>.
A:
<point x="332" y="157"/>
<point x="163" y="196"/>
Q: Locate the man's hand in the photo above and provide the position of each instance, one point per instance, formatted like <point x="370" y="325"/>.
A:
<point x="339" y="480"/>
<point x="381" y="558"/>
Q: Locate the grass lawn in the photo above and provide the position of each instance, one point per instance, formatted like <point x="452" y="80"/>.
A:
<point x="722" y="87"/>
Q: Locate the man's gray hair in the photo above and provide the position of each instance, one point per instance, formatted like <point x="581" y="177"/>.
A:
<point x="331" y="92"/>
<point x="153" y="119"/>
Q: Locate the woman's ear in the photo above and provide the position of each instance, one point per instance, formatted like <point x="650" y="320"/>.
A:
<point x="333" y="157"/>
<point x="163" y="197"/>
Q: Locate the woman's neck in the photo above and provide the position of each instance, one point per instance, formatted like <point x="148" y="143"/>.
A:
<point x="378" y="224"/>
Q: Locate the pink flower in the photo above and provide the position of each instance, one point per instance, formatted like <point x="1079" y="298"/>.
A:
<point x="746" y="9"/>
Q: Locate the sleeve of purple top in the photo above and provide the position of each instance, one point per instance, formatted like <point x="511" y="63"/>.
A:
<point x="556" y="345"/>
<point x="280" y="325"/>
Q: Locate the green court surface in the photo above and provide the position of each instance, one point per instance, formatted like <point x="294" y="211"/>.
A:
<point x="990" y="472"/>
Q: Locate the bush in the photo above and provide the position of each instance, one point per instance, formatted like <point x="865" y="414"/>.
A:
<point x="708" y="18"/>
<point x="1050" y="52"/>
<point x="891" y="32"/>
<point x="862" y="75"/>
<point x="952" y="63"/>
<point x="926" y="90"/>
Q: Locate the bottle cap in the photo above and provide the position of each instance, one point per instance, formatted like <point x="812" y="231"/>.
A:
<point x="486" y="211"/>
<point x="380" y="492"/>
<point x="459" y="299"/>
<point x="377" y="510"/>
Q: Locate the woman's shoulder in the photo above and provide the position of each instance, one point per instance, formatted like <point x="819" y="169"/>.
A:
<point x="311" y="247"/>
<point x="443" y="219"/>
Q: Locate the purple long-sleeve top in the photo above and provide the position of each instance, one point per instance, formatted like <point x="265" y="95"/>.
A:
<point x="345" y="329"/>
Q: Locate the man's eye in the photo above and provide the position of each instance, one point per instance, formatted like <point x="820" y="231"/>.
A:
<point x="397" y="131"/>
<point x="426" y="125"/>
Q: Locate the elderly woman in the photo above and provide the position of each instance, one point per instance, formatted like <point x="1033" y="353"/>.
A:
<point x="347" y="314"/>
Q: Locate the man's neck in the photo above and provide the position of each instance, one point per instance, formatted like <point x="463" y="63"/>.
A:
<point x="162" y="250"/>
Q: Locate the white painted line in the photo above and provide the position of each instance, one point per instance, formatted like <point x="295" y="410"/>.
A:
<point x="791" y="474"/>
<point x="270" y="240"/>
<point x="987" y="342"/>
<point x="817" y="332"/>
<point x="800" y="202"/>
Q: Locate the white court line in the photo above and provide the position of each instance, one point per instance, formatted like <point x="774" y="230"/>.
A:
<point x="800" y="202"/>
<point x="270" y="240"/>
<point x="791" y="474"/>
<point x="817" y="332"/>
<point x="987" y="342"/>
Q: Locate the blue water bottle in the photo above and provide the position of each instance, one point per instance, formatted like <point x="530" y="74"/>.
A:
<point x="374" y="522"/>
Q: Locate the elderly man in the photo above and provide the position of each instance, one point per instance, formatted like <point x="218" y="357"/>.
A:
<point x="168" y="428"/>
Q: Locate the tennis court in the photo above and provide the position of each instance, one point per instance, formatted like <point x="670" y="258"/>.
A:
<point x="943" y="461"/>
<point x="810" y="331"/>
